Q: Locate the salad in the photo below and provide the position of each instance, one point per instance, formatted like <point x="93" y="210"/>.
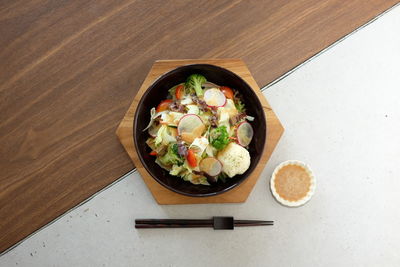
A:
<point x="201" y="132"/>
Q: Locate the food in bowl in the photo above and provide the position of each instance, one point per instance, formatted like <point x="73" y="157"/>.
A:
<point x="201" y="132"/>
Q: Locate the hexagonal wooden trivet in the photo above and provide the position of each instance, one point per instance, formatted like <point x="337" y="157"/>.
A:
<point x="238" y="194"/>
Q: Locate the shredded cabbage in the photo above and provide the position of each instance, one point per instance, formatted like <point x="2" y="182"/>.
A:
<point x="230" y="108"/>
<point x="192" y="109"/>
<point x="175" y="170"/>
<point x="224" y="118"/>
<point x="197" y="179"/>
<point x="164" y="137"/>
<point x="211" y="151"/>
<point x="171" y="157"/>
<point x="187" y="101"/>
<point x="199" y="145"/>
<point x="161" y="165"/>
<point x="172" y="118"/>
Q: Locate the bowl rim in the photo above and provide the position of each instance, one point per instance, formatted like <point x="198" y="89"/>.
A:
<point x="142" y="159"/>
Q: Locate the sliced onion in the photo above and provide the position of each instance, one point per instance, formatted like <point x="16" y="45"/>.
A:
<point x="211" y="166"/>
<point x="190" y="127"/>
<point x="214" y="98"/>
<point x="244" y="133"/>
<point x="153" y="116"/>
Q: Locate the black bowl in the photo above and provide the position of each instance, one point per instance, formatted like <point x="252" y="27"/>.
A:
<point x="159" y="91"/>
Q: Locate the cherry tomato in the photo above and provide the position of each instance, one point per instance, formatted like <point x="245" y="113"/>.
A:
<point x="179" y="91"/>
<point x="227" y="91"/>
<point x="153" y="153"/>
<point x="191" y="158"/>
<point x="163" y="105"/>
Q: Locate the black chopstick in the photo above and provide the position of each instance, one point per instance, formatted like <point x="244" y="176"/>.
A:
<point x="252" y="223"/>
<point x="173" y="221"/>
<point x="143" y="226"/>
<point x="216" y="223"/>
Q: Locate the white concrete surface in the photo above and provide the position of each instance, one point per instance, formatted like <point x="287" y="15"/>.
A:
<point x="341" y="112"/>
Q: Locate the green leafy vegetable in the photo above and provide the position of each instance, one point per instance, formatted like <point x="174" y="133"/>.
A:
<point x="164" y="136"/>
<point x="219" y="137"/>
<point x="194" y="82"/>
<point x="171" y="157"/>
<point x="238" y="103"/>
<point x="239" y="106"/>
<point x="175" y="170"/>
<point x="222" y="176"/>
<point x="172" y="90"/>
<point x="186" y="177"/>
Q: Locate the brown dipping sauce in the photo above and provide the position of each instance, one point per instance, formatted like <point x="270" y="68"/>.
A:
<point x="292" y="182"/>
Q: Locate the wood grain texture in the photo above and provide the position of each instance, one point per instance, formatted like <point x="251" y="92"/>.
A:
<point x="69" y="70"/>
<point x="236" y="195"/>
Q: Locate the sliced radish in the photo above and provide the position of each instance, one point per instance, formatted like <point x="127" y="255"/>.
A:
<point x="214" y="98"/>
<point x="211" y="166"/>
<point x="153" y="130"/>
<point x="244" y="133"/>
<point x="190" y="127"/>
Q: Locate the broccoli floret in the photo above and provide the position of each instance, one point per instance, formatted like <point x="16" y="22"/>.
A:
<point x="219" y="137"/>
<point x="195" y="81"/>
<point x="172" y="156"/>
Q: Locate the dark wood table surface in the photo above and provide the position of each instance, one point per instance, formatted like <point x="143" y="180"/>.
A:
<point x="69" y="70"/>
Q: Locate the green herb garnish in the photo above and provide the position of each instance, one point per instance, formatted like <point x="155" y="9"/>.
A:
<point x="219" y="137"/>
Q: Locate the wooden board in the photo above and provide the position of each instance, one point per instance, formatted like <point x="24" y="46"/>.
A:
<point x="69" y="70"/>
<point x="239" y="193"/>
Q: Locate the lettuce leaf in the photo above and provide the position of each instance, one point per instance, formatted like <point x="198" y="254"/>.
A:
<point x="171" y="157"/>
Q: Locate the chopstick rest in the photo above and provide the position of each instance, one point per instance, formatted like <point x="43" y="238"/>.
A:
<point x="217" y="222"/>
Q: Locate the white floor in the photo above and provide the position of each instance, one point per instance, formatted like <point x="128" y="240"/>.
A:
<point x="341" y="112"/>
